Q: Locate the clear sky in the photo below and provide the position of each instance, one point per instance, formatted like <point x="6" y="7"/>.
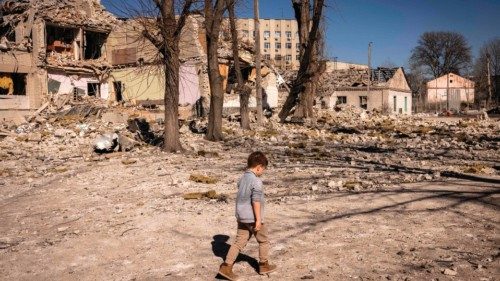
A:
<point x="393" y="26"/>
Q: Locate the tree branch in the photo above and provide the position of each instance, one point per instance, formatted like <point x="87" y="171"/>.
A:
<point x="182" y="19"/>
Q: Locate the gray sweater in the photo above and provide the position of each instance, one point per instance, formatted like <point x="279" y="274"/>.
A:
<point x="249" y="190"/>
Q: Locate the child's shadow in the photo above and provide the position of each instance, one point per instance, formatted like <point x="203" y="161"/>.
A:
<point x="220" y="247"/>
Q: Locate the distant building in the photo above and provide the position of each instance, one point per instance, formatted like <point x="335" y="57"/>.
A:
<point x="450" y="89"/>
<point x="279" y="40"/>
<point x="389" y="89"/>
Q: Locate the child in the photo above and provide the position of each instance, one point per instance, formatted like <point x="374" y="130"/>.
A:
<point x="250" y="204"/>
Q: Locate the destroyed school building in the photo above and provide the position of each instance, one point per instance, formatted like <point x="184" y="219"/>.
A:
<point x="77" y="48"/>
<point x="381" y="89"/>
<point x="51" y="47"/>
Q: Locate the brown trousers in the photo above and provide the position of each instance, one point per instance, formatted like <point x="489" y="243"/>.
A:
<point x="244" y="233"/>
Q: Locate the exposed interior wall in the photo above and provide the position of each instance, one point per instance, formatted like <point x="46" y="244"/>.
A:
<point x="147" y="83"/>
<point x="63" y="83"/>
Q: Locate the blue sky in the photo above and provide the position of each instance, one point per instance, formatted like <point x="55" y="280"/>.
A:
<point x="393" y="26"/>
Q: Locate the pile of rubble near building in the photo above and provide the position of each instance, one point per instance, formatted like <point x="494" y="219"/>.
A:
<point x="362" y="145"/>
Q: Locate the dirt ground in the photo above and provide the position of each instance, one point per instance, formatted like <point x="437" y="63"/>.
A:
<point x="106" y="219"/>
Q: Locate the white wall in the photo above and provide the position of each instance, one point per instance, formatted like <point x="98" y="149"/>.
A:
<point x="400" y="102"/>
<point x="69" y="82"/>
<point x="376" y="99"/>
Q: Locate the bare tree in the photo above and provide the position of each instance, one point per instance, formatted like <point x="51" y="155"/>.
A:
<point x="416" y="80"/>
<point x="162" y="27"/>
<point x="242" y="90"/>
<point x="258" y="78"/>
<point x="491" y="49"/>
<point x="303" y="87"/>
<point x="441" y="53"/>
<point x="213" y="20"/>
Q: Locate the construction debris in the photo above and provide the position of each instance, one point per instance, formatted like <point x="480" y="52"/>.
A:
<point x="203" y="179"/>
<point x="106" y="143"/>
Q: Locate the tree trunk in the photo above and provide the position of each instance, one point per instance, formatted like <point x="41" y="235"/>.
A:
<point x="213" y="19"/>
<point x="241" y="89"/>
<point x="303" y="91"/>
<point x="167" y="44"/>
<point x="171" y="100"/>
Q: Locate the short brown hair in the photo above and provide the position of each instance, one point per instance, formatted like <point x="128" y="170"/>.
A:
<point x="257" y="158"/>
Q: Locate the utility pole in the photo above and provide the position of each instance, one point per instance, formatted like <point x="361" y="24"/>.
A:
<point x="488" y="62"/>
<point x="369" y="67"/>
<point x="258" y="79"/>
<point x="447" y="92"/>
<point x="335" y="74"/>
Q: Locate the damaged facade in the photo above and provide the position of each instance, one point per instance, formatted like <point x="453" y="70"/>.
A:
<point x="138" y="75"/>
<point x="53" y="47"/>
<point x="75" y="47"/>
<point x="385" y="89"/>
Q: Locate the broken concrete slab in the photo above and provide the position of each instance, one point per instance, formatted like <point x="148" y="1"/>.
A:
<point x="106" y="143"/>
<point x="115" y="117"/>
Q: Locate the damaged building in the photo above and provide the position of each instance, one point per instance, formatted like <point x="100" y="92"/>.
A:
<point x="75" y="47"/>
<point x="380" y="89"/>
<point x="450" y="90"/>
<point x="138" y="74"/>
<point x="52" y="47"/>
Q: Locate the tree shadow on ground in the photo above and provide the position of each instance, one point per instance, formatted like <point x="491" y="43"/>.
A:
<point x="452" y="199"/>
<point x="220" y="247"/>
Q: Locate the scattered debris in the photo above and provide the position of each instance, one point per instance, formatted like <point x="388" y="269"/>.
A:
<point x="203" y="179"/>
<point x="129" y="161"/>
<point x="106" y="143"/>
<point x="211" y="194"/>
<point x="449" y="272"/>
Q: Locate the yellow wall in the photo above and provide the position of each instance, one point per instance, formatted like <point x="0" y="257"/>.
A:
<point x="139" y="84"/>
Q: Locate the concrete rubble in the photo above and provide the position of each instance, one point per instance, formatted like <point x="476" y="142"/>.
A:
<point x="347" y="152"/>
<point x="364" y="144"/>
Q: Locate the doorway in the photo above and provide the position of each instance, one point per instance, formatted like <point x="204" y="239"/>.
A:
<point x="118" y="90"/>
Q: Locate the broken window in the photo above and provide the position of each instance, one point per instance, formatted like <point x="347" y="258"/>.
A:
<point x="277" y="33"/>
<point x="288" y="45"/>
<point x="363" y="102"/>
<point x="267" y="45"/>
<point x="288" y="58"/>
<point x="94" y="89"/>
<point x="267" y="34"/>
<point x="60" y="39"/>
<point x="94" y="43"/>
<point x="8" y="32"/>
<point x="12" y="84"/>
<point x="278" y="45"/>
<point x="341" y="100"/>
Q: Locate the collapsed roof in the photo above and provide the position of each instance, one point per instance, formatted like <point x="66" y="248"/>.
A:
<point x="85" y="13"/>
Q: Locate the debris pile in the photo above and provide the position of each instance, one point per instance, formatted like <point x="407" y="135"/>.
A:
<point x="88" y="13"/>
<point x="370" y="150"/>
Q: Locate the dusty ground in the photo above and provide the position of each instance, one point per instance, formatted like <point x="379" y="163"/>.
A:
<point x="354" y="196"/>
<point x="100" y="219"/>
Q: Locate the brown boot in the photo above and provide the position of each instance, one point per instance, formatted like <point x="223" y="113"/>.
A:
<point x="226" y="270"/>
<point x="266" y="267"/>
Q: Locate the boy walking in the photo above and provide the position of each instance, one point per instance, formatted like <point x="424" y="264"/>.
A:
<point x="250" y="204"/>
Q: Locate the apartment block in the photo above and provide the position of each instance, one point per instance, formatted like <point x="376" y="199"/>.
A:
<point x="279" y="40"/>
